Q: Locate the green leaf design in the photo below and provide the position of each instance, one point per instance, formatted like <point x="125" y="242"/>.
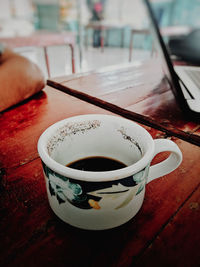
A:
<point x="138" y="177"/>
<point x="75" y="188"/>
<point x="141" y="187"/>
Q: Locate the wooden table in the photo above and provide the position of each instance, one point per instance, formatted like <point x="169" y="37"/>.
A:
<point x="165" y="232"/>
<point x="136" y="90"/>
<point x="44" y="39"/>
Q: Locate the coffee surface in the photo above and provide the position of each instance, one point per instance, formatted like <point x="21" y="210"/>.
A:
<point x="96" y="164"/>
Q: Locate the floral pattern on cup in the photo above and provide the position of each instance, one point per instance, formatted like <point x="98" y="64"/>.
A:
<point x="91" y="195"/>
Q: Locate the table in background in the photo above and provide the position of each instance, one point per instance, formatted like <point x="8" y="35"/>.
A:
<point x="170" y="31"/>
<point x="104" y="27"/>
<point x="165" y="232"/>
<point x="44" y="39"/>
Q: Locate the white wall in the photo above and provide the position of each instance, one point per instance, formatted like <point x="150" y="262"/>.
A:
<point x="5" y="9"/>
<point x="16" y="17"/>
<point x="23" y="8"/>
<point x="18" y="8"/>
<point x="128" y="11"/>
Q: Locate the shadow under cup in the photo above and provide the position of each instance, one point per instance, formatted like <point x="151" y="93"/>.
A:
<point x="95" y="200"/>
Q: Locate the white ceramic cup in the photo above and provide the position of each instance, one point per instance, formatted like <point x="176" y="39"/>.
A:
<point x="101" y="200"/>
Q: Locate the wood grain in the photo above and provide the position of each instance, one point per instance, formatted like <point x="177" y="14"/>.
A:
<point x="169" y="130"/>
<point x="32" y="235"/>
<point x="22" y="126"/>
<point x="166" y="249"/>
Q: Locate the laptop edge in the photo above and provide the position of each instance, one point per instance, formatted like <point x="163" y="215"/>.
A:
<point x="186" y="101"/>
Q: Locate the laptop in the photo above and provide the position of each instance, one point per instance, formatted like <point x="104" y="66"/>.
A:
<point x="184" y="80"/>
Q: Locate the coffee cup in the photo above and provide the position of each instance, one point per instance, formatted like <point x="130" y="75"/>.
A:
<point x="105" y="195"/>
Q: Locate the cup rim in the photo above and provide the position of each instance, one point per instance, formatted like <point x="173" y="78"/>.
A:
<point x="89" y="175"/>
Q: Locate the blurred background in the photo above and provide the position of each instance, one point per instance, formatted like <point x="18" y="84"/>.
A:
<point x="98" y="33"/>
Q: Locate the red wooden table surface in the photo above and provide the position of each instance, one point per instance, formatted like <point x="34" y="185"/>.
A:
<point x="165" y="232"/>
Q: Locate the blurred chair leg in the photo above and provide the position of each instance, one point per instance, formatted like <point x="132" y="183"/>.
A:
<point x="102" y="33"/>
<point x="72" y="57"/>
<point x="86" y="38"/>
<point x="122" y="37"/>
<point x="130" y="47"/>
<point x="46" y="60"/>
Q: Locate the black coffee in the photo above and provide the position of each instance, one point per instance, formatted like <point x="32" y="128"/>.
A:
<point x="96" y="164"/>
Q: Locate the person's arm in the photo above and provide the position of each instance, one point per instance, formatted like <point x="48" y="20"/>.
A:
<point x="19" y="79"/>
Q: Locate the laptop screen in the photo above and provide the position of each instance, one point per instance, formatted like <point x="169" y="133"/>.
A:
<point x="175" y="83"/>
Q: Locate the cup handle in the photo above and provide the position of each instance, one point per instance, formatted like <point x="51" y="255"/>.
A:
<point x="168" y="165"/>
